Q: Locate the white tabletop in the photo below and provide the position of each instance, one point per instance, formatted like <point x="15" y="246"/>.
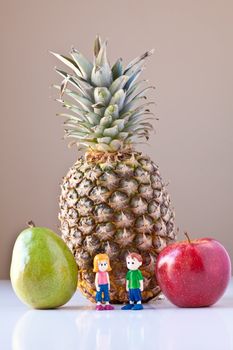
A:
<point x="160" y="326"/>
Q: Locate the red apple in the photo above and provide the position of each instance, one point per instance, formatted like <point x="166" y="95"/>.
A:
<point x="193" y="273"/>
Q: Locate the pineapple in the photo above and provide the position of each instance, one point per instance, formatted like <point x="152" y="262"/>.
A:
<point x="113" y="199"/>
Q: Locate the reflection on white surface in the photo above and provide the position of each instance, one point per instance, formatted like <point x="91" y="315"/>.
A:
<point x="38" y="329"/>
<point x="159" y="326"/>
<point x="105" y="331"/>
<point x="165" y="329"/>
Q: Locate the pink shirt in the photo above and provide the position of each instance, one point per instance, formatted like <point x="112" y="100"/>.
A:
<point x="102" y="277"/>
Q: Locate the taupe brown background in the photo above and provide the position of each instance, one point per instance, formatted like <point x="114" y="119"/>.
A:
<point x="192" y="69"/>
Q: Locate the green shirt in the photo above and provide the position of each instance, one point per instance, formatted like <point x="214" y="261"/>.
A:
<point x="134" y="278"/>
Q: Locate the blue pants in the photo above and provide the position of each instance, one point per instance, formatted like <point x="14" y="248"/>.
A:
<point x="135" y="295"/>
<point x="103" y="291"/>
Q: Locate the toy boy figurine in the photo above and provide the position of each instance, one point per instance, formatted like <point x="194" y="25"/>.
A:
<point x="134" y="282"/>
<point x="102" y="282"/>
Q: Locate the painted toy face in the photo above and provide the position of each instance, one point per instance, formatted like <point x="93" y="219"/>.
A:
<point x="103" y="265"/>
<point x="132" y="263"/>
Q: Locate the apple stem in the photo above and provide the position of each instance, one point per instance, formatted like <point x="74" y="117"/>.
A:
<point x="31" y="224"/>
<point x="186" y="234"/>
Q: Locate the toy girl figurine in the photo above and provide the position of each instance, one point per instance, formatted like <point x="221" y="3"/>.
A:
<point x="102" y="282"/>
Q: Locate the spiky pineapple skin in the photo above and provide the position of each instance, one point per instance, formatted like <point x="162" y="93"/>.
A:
<point x="116" y="206"/>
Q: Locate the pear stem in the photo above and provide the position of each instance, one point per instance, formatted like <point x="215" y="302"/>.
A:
<point x="31" y="224"/>
<point x="188" y="238"/>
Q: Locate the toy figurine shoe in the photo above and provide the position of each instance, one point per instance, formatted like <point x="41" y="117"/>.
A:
<point x="109" y="307"/>
<point x="99" y="307"/>
<point x="127" y="307"/>
<point x="137" y="307"/>
<point x="132" y="307"/>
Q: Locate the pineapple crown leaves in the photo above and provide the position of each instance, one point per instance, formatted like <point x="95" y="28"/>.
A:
<point x="107" y="112"/>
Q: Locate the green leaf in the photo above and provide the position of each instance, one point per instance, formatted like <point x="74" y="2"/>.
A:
<point x="83" y="64"/>
<point x="99" y="110"/>
<point x="97" y="45"/>
<point x="117" y="69"/>
<point x="136" y="128"/>
<point x="73" y="133"/>
<point x="82" y="86"/>
<point x="101" y="76"/>
<point x="98" y="105"/>
<point x="106" y="121"/>
<point x="63" y="89"/>
<point x="118" y="84"/>
<point x="122" y="135"/>
<point x="120" y="124"/>
<point x="63" y="86"/>
<point x="112" y="110"/>
<point x="104" y="139"/>
<point x="101" y="73"/>
<point x="71" y="126"/>
<point x="139" y="118"/>
<point x="138" y="109"/>
<point x="147" y="125"/>
<point x="133" y="78"/>
<point x="93" y="118"/>
<point x="138" y="60"/>
<point x="74" y="109"/>
<point x="129" y="106"/>
<point x="132" y="127"/>
<point x="118" y="98"/>
<point x="77" y="121"/>
<point x="130" y="98"/>
<point x="112" y="132"/>
<point x="116" y="145"/>
<point x="71" y="117"/>
<point x="84" y="129"/>
<point x="101" y="59"/>
<point x="102" y="95"/>
<point x="83" y="101"/>
<point x="79" y="143"/>
<point x="72" y="123"/>
<point x="133" y="139"/>
<point x="142" y="114"/>
<point x="68" y="62"/>
<point x="103" y="147"/>
<point x="98" y="130"/>
<point x="135" y="86"/>
<point x="126" y="115"/>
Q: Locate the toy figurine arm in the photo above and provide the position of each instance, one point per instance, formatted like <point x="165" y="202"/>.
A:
<point x="96" y="282"/>
<point x="141" y="285"/>
<point x="108" y="281"/>
<point x="127" y="285"/>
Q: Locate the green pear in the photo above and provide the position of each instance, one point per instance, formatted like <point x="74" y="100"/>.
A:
<point x="43" y="270"/>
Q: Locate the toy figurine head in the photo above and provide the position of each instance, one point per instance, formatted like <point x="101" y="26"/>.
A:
<point x="133" y="261"/>
<point x="101" y="263"/>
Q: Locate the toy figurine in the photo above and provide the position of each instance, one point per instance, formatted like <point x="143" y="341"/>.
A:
<point x="134" y="282"/>
<point x="102" y="282"/>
